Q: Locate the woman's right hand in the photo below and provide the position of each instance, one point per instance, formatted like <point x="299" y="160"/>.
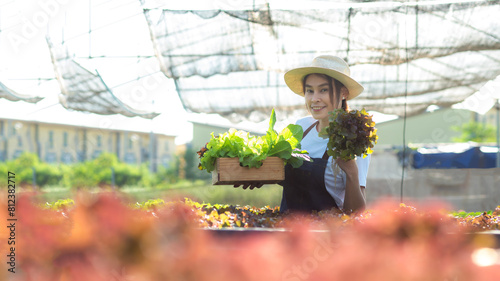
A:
<point x="250" y="185"/>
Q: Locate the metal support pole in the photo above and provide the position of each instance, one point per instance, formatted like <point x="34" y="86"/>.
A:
<point x="151" y="167"/>
<point x="498" y="132"/>
<point x="152" y="148"/>
<point x="113" y="177"/>
<point x="33" y="177"/>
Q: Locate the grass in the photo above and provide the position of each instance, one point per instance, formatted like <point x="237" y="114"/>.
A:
<point x="200" y="191"/>
<point x="268" y="195"/>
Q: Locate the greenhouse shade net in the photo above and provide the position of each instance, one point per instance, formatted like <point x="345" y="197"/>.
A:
<point x="407" y="55"/>
<point x="11" y="95"/>
<point x="82" y="90"/>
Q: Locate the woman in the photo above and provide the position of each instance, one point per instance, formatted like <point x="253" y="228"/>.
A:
<point x="318" y="185"/>
<point x="326" y="85"/>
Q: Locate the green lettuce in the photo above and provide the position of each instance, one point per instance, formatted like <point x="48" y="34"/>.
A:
<point x="253" y="150"/>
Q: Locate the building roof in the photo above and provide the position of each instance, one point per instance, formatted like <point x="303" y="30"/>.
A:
<point x="62" y="117"/>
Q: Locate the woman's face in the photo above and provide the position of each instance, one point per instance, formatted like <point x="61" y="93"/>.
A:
<point x="317" y="95"/>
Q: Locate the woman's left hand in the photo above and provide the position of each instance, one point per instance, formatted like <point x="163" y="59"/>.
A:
<point x="349" y="167"/>
<point x="354" y="199"/>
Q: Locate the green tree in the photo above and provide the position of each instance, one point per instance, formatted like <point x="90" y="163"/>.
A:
<point x="476" y="132"/>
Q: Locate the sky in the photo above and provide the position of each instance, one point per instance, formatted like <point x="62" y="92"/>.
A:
<point x="121" y="52"/>
<point x="108" y="36"/>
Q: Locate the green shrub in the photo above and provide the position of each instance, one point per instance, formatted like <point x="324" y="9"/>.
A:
<point x="4" y="171"/>
<point x="23" y="167"/>
<point x="47" y="174"/>
<point x="27" y="159"/>
<point x="23" y="176"/>
<point x="126" y="175"/>
<point x="106" y="160"/>
<point x="166" y="176"/>
<point x="87" y="174"/>
<point x="147" y="178"/>
<point x="103" y="174"/>
<point x="81" y="175"/>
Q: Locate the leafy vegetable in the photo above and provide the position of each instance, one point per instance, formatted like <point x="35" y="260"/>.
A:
<point x="350" y="134"/>
<point x="253" y="150"/>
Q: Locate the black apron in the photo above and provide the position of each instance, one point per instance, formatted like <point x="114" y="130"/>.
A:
<point x="304" y="187"/>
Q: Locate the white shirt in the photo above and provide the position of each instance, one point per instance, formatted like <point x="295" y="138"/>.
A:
<point x="334" y="180"/>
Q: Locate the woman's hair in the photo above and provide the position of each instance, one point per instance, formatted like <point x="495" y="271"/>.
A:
<point x="332" y="84"/>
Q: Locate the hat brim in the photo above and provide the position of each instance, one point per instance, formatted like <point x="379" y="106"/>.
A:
<point x="294" y="79"/>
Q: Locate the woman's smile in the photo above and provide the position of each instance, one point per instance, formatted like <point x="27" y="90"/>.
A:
<point x="317" y="108"/>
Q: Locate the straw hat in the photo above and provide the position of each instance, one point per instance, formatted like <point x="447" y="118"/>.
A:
<point x="332" y="66"/>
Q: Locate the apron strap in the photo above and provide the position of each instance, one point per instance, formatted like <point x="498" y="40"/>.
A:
<point x="325" y="155"/>
<point x="309" y="129"/>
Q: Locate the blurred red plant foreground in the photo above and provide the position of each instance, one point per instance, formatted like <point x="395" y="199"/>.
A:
<point x="102" y="237"/>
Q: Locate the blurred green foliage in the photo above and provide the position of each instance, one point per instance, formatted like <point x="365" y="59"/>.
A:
<point x="60" y="181"/>
<point x="476" y="132"/>
<point x="29" y="168"/>
<point x="105" y="170"/>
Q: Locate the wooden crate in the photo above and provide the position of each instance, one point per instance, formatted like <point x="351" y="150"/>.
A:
<point x="229" y="171"/>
